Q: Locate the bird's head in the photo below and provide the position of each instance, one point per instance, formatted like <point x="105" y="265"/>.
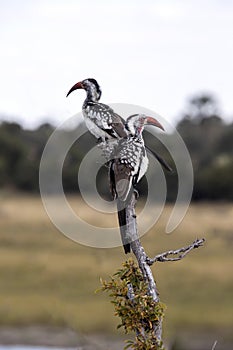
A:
<point x="91" y="86"/>
<point x="136" y="123"/>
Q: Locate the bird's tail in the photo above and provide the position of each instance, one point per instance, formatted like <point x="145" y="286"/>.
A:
<point x="121" y="208"/>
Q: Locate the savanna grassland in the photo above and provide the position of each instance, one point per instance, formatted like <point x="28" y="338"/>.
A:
<point x="47" y="279"/>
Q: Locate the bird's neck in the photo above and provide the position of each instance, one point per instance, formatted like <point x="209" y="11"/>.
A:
<point x="136" y="137"/>
<point x="92" y="95"/>
<point x="138" y="133"/>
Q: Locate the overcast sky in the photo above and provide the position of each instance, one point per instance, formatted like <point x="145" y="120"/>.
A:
<point x="154" y="53"/>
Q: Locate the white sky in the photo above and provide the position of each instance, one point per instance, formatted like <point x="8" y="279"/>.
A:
<point x="153" y="53"/>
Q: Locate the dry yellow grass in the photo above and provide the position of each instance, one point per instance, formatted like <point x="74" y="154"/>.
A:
<point x="48" y="279"/>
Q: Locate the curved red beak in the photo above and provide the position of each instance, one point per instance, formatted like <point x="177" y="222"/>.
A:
<point x="154" y="122"/>
<point x="76" y="86"/>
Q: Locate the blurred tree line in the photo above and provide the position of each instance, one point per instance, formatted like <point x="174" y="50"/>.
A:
<point x="208" y="138"/>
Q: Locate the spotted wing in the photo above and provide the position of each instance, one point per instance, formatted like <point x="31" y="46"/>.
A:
<point x="106" y="119"/>
<point x="126" y="165"/>
<point x="123" y="179"/>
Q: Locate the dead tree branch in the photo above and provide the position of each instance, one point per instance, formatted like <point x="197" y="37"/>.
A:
<point x="182" y="252"/>
<point x="141" y="257"/>
<point x="144" y="262"/>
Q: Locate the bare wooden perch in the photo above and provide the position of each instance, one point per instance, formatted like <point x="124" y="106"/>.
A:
<point x="145" y="262"/>
<point x="182" y="252"/>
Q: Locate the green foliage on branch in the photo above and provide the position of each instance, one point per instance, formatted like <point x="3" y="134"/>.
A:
<point x="138" y="311"/>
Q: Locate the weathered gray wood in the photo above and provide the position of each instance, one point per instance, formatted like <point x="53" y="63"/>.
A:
<point x="182" y="252"/>
<point x="141" y="257"/>
<point x="144" y="262"/>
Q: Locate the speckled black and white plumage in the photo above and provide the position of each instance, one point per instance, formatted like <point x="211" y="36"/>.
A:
<point x="127" y="168"/>
<point x="129" y="165"/>
<point x="130" y="161"/>
<point x="122" y="145"/>
<point x="101" y="120"/>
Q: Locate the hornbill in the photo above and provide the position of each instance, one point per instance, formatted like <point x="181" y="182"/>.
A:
<point x="127" y="168"/>
<point x="102" y="121"/>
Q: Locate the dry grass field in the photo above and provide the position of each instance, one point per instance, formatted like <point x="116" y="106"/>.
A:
<point x="46" y="279"/>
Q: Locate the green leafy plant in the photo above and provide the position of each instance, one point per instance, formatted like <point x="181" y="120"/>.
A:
<point x="137" y="310"/>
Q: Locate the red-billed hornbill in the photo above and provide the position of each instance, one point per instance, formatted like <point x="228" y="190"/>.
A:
<point x="100" y="119"/>
<point x="127" y="168"/>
